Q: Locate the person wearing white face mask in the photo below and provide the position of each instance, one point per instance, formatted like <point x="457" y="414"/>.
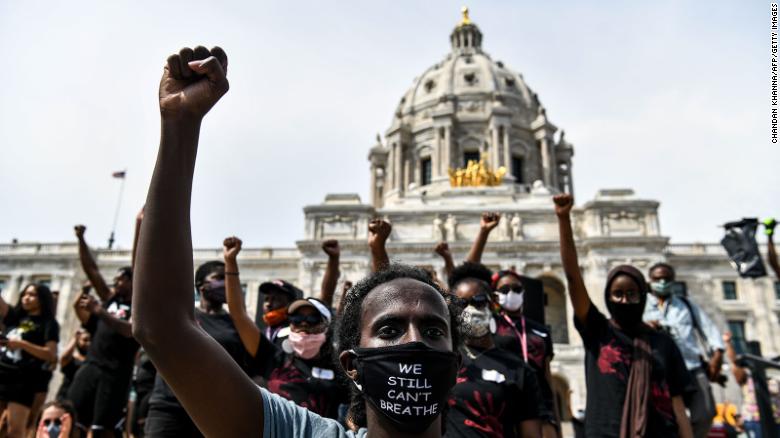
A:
<point x="496" y="394"/>
<point x="528" y="339"/>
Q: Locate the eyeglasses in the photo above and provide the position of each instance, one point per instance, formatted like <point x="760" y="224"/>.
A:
<point x="632" y="296"/>
<point x="478" y="301"/>
<point x="308" y="319"/>
<point x="47" y="422"/>
<point x="518" y="289"/>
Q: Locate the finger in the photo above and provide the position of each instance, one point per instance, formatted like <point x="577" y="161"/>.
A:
<point x="185" y="56"/>
<point x="174" y="66"/>
<point x="201" y="53"/>
<point x="221" y="56"/>
<point x="212" y="69"/>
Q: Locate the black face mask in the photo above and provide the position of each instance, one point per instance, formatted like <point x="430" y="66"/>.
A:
<point x="215" y="292"/>
<point x="627" y="315"/>
<point x="407" y="383"/>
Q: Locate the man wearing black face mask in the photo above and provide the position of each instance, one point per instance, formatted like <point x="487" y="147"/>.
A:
<point x="166" y="417"/>
<point x="630" y="369"/>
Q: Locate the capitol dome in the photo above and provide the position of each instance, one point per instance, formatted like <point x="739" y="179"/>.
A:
<point x="463" y="109"/>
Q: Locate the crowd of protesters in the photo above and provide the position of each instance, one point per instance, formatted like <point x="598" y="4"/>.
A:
<point x="403" y="353"/>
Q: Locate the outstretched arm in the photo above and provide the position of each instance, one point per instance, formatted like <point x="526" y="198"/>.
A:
<point x="92" y="307"/>
<point x="443" y="249"/>
<point x="740" y="374"/>
<point x="246" y="328"/>
<point x="770" y="224"/>
<point x="578" y="294"/>
<point x="378" y="232"/>
<point x="487" y="223"/>
<point x="90" y="267"/>
<point x="331" y="276"/>
<point x="163" y="302"/>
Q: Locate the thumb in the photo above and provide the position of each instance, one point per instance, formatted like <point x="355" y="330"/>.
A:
<point x="211" y="68"/>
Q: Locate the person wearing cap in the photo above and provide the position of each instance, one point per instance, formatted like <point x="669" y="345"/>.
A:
<point x="298" y="366"/>
<point x="99" y="388"/>
<point x="277" y="296"/>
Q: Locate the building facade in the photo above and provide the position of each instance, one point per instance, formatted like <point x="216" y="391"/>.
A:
<point x="468" y="136"/>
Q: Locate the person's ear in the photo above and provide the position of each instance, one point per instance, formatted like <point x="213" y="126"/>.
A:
<point x="347" y="361"/>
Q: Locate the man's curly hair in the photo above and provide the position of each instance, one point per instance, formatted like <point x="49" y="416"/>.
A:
<point x="469" y="270"/>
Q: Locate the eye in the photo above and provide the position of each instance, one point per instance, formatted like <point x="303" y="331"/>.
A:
<point x="388" y="332"/>
<point x="434" y="332"/>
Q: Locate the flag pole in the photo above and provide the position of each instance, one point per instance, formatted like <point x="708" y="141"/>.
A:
<point x="116" y="212"/>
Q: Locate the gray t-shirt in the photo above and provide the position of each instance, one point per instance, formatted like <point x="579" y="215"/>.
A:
<point x="285" y="419"/>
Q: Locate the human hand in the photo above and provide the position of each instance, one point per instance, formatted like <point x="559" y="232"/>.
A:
<point x="563" y="204"/>
<point x="192" y="82"/>
<point x="88" y="303"/>
<point x="331" y="248"/>
<point x="378" y="232"/>
<point x="489" y="221"/>
<point x="231" y="247"/>
<point x="727" y="337"/>
<point x="67" y="425"/>
<point x="769" y="226"/>
<point x="443" y="249"/>
<point x="13" y="344"/>
<point x="80" y="229"/>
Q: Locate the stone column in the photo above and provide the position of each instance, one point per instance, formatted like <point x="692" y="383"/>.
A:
<point x="399" y="169"/>
<point x="545" y="148"/>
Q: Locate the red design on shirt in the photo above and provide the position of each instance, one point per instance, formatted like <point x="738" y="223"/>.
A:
<point x="489" y="415"/>
<point x="661" y="399"/>
<point x="610" y="355"/>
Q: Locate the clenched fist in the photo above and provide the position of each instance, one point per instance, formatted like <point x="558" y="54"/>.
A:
<point x="193" y="81"/>
<point x="331" y="248"/>
<point x="231" y="247"/>
<point x="378" y="232"/>
<point x="563" y="204"/>
<point x="442" y="249"/>
<point x="80" y="229"/>
<point x="489" y="221"/>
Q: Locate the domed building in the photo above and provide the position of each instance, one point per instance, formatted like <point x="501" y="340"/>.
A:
<point x="468" y="136"/>
<point x="465" y="108"/>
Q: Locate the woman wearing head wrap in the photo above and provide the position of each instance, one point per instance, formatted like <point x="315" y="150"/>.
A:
<point x="635" y="376"/>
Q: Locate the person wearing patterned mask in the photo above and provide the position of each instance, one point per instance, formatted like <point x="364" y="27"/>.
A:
<point x="496" y="394"/>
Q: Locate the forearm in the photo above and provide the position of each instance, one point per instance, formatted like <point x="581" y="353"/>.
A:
<point x="475" y="254"/>
<point x="531" y="428"/>
<point x="164" y="283"/>
<point x="123" y="327"/>
<point x="90" y="268"/>
<point x="246" y="328"/>
<point x="3" y="308"/>
<point x="773" y="262"/>
<point x="578" y="294"/>
<point x="330" y="280"/>
<point x="379" y="257"/>
<point x="683" y="424"/>
<point x="47" y="353"/>
<point x="449" y="266"/>
<point x="67" y="355"/>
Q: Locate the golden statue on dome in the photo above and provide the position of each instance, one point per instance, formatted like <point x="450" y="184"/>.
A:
<point x="466" y="20"/>
<point x="477" y="174"/>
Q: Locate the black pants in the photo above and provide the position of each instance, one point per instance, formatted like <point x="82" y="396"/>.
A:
<point x="99" y="396"/>
<point x="168" y="421"/>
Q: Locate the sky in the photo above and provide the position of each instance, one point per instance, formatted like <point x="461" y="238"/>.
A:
<point x="669" y="98"/>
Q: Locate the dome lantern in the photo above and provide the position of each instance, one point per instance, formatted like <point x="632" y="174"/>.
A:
<point x="466" y="36"/>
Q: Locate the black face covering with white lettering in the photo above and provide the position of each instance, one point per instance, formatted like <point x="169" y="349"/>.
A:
<point x="407" y="383"/>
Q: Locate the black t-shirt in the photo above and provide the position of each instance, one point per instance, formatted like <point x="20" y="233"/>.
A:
<point x="313" y="384"/>
<point x="540" y="348"/>
<point x="144" y="374"/>
<point x="495" y="392"/>
<point x="109" y="349"/>
<point x="608" y="357"/>
<point x="221" y="328"/>
<point x="33" y="329"/>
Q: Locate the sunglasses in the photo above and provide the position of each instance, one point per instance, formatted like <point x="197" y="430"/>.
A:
<point x="309" y="319"/>
<point x="478" y="301"/>
<point x="47" y="422"/>
<point x="509" y="288"/>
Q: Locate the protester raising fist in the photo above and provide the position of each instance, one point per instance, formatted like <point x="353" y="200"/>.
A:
<point x="378" y="232"/>
<point x="192" y="82"/>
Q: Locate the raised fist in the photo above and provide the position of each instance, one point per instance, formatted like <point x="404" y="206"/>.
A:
<point x="331" y="248"/>
<point x="193" y="81"/>
<point x="79" y="229"/>
<point x="231" y="247"/>
<point x="89" y="303"/>
<point x="443" y="249"/>
<point x="563" y="204"/>
<point x="378" y="231"/>
<point x="489" y="221"/>
<point x="726" y="337"/>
